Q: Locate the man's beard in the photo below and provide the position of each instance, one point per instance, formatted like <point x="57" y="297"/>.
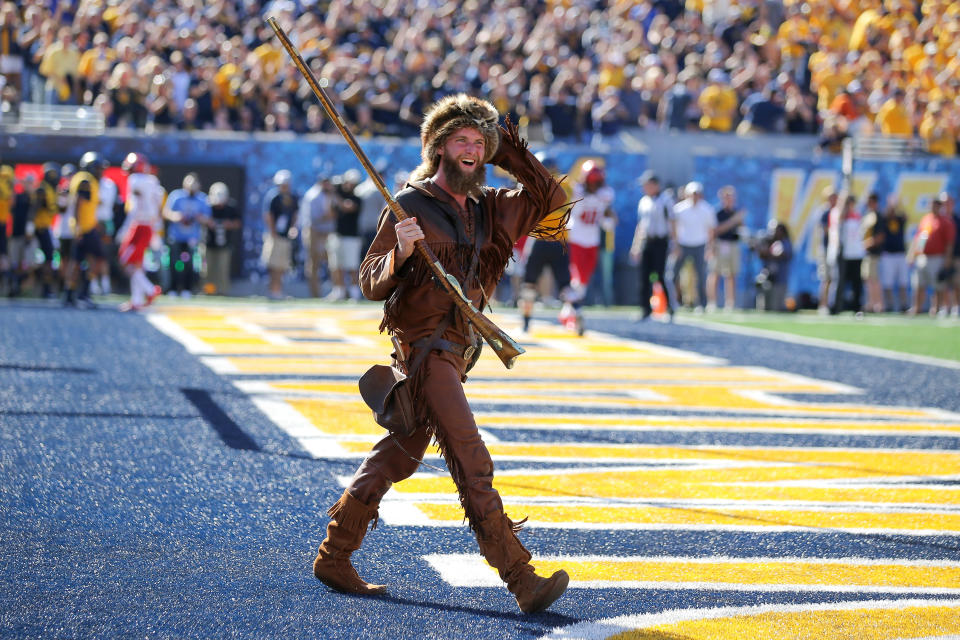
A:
<point x="458" y="180"/>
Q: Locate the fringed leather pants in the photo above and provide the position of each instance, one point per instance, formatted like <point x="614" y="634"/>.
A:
<point x="448" y="415"/>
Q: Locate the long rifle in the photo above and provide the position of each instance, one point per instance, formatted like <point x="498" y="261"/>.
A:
<point x="505" y="347"/>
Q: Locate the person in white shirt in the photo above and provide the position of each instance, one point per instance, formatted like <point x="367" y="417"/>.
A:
<point x="590" y="215"/>
<point x="691" y="229"/>
<point x="845" y="249"/>
<point x="143" y="205"/>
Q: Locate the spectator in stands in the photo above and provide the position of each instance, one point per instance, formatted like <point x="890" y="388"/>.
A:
<point x="161" y="112"/>
<point x="126" y="101"/>
<point x="795" y="39"/>
<point x="799" y="111"/>
<point x="554" y="68"/>
<point x="718" y="103"/>
<point x="763" y="112"/>
<point x="678" y="108"/>
<point x="188" y="117"/>
<point x="562" y="116"/>
<point x="59" y="65"/>
<point x="938" y="129"/>
<point x="852" y="106"/>
<point x="835" y="131"/>
<point x="94" y="66"/>
<point x="11" y="50"/>
<point x="894" y="119"/>
<point x="610" y="114"/>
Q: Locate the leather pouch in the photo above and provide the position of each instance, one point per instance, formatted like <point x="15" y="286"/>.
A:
<point x="386" y="391"/>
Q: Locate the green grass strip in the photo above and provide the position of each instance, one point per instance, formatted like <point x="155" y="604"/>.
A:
<point x="925" y="336"/>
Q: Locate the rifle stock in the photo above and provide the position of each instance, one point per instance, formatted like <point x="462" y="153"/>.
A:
<point x="503" y="345"/>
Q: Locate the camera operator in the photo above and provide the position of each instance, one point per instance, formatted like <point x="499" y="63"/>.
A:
<point x="775" y="250"/>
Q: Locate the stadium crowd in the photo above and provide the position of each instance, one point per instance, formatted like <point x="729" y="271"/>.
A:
<point x="564" y="69"/>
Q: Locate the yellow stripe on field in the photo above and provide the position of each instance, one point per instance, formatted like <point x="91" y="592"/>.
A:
<point x="689" y="484"/>
<point x="485" y="419"/>
<point x="664" y="396"/>
<point x="731" y="516"/>
<point x="768" y="571"/>
<point x="857" y="624"/>
<point x="623" y="375"/>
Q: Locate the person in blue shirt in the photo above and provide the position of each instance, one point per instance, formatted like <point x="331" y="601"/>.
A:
<point x="186" y="211"/>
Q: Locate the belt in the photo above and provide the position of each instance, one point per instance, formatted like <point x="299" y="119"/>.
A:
<point x="464" y="351"/>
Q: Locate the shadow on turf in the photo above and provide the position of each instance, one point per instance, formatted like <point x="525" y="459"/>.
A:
<point x="38" y="367"/>
<point x="97" y="414"/>
<point x="231" y="433"/>
<point x="547" y="618"/>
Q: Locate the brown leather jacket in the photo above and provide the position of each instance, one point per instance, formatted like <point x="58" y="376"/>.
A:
<point x="414" y="304"/>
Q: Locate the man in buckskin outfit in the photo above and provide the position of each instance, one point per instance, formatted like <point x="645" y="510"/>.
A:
<point x="471" y="228"/>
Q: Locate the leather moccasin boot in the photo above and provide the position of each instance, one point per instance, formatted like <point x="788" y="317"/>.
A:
<point x="534" y="594"/>
<point x="497" y="537"/>
<point x="348" y="526"/>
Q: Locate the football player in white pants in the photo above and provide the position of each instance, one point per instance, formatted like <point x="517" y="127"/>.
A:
<point x="591" y="214"/>
<point x="143" y="204"/>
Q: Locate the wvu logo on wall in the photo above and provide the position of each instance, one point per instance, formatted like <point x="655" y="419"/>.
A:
<point x="797" y="195"/>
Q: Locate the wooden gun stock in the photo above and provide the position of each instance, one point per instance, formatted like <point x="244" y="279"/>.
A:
<point x="505" y="347"/>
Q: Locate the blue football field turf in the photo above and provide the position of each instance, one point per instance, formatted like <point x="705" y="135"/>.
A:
<point x="166" y="475"/>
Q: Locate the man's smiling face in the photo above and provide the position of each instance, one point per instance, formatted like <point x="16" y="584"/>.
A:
<point x="462" y="160"/>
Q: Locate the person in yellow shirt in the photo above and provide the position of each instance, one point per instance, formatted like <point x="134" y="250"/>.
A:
<point x="834" y="29"/>
<point x="938" y="131"/>
<point x="229" y="76"/>
<point x="718" y="103"/>
<point x="270" y="59"/>
<point x="84" y="196"/>
<point x="893" y="119"/>
<point x="796" y="39"/>
<point x="828" y="79"/>
<point x="60" y="65"/>
<point x="864" y="29"/>
<point x="7" y="179"/>
<point x="45" y="210"/>
<point x="94" y="62"/>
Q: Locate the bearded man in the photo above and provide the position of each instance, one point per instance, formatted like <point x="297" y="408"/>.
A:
<point x="471" y="228"/>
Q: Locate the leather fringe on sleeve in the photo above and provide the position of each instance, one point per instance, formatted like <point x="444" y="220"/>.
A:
<point x="514" y="157"/>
